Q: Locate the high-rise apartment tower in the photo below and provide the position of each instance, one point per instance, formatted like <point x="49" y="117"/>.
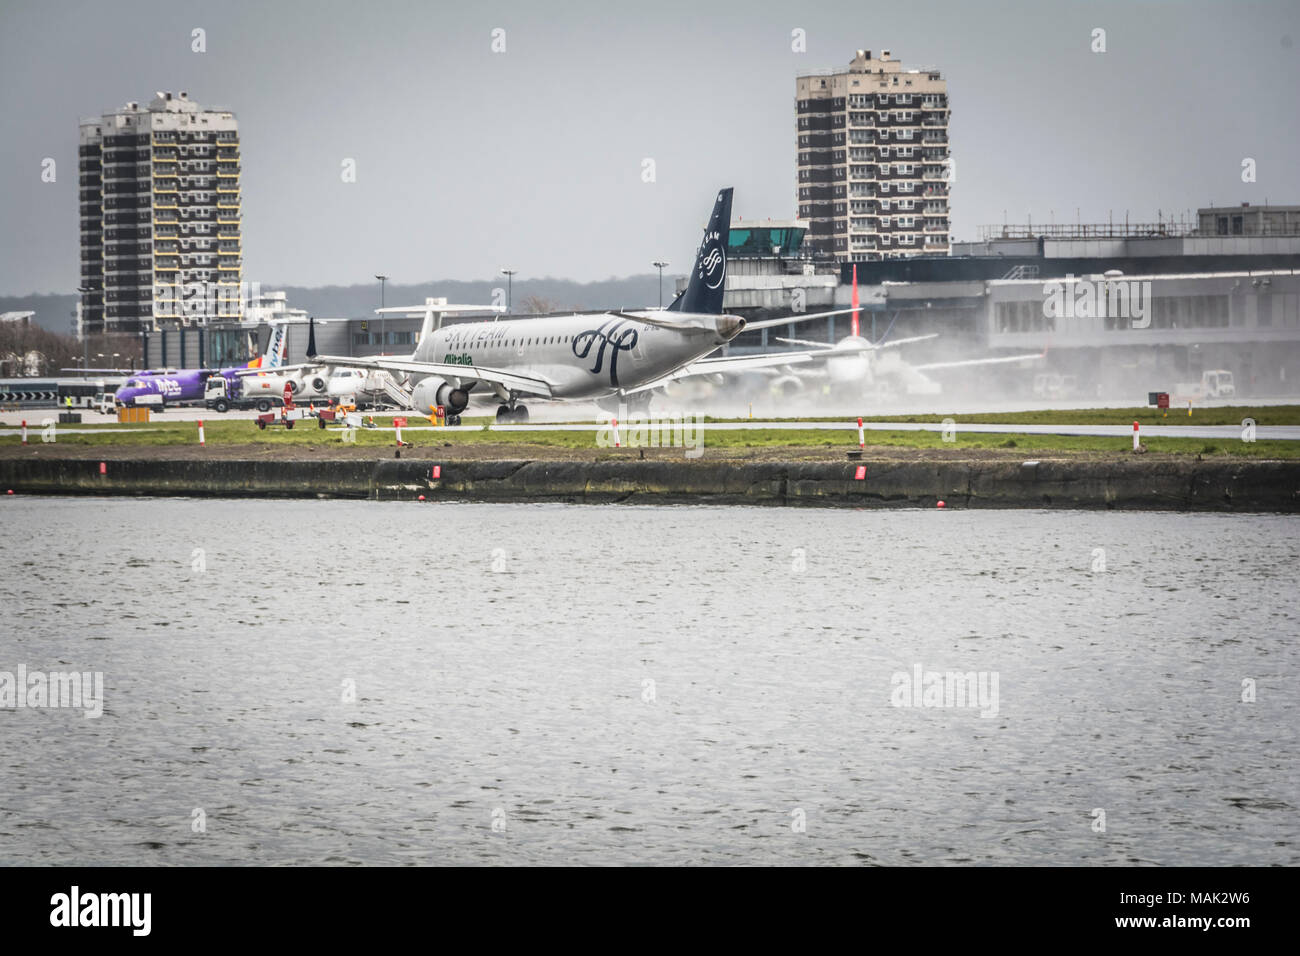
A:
<point x="874" y="164"/>
<point x="160" y="217"/>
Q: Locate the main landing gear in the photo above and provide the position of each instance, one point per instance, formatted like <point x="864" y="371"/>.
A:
<point x="511" y="416"/>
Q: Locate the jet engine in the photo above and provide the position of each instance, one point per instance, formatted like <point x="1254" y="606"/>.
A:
<point x="433" y="391"/>
<point x="787" y="387"/>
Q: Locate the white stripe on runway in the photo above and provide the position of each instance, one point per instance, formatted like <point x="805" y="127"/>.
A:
<point x="1279" y="432"/>
<point x="1226" y="432"/>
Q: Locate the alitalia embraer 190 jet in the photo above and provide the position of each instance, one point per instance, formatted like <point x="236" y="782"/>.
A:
<point x="607" y="357"/>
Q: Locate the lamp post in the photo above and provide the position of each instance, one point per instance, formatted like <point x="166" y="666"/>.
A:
<point x="382" y="316"/>
<point x="661" y="264"/>
<point x="509" y="274"/>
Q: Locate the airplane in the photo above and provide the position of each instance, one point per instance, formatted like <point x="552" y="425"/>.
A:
<point x="852" y="364"/>
<point x="160" y="387"/>
<point x="610" y="357"/>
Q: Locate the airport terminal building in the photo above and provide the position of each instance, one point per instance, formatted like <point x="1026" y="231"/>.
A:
<point x="1121" y="309"/>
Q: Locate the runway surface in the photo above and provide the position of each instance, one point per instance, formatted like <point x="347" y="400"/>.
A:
<point x="1222" y="432"/>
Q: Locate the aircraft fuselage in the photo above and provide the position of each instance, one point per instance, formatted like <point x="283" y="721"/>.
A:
<point x="582" y="355"/>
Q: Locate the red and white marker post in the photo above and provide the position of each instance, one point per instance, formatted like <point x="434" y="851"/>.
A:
<point x="202" y="441"/>
<point x="397" y="424"/>
<point x="862" y="438"/>
<point x="24" y="431"/>
<point x="1135" y="436"/>
<point x="614" y="424"/>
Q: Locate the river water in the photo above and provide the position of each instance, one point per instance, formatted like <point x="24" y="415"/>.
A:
<point x="401" y="683"/>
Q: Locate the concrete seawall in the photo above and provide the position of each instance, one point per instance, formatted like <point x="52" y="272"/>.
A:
<point x="1228" y="485"/>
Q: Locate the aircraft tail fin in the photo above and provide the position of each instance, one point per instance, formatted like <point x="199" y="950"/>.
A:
<point x="708" y="278"/>
<point x="277" y="346"/>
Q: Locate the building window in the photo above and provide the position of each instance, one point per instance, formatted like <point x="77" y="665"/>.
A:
<point x="1263" y="311"/>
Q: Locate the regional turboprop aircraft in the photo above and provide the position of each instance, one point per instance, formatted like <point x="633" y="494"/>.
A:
<point x="603" y="356"/>
<point x="161" y="387"/>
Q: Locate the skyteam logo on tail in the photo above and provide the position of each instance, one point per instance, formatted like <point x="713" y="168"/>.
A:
<point x="712" y="259"/>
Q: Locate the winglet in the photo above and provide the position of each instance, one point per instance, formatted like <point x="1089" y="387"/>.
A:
<point x="311" y="337"/>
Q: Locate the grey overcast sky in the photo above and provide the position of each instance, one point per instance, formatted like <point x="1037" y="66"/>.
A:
<point x="468" y="160"/>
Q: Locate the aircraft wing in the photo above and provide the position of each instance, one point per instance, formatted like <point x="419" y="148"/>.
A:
<point x="274" y="369"/>
<point x="796" y="319"/>
<point x="512" y="381"/>
<point x="897" y="342"/>
<point x="869" y="347"/>
<point x="966" y="363"/>
<point x="739" y="363"/>
<point x="819" y="350"/>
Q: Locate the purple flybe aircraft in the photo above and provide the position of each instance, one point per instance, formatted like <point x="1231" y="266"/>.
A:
<point x="158" y="388"/>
